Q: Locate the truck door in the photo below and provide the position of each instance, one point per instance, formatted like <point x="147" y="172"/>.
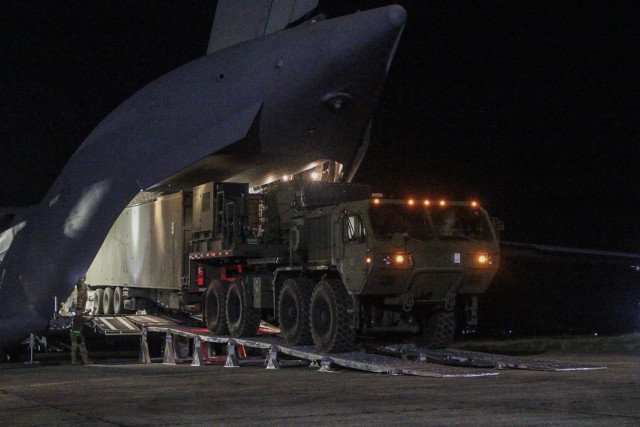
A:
<point x="353" y="266"/>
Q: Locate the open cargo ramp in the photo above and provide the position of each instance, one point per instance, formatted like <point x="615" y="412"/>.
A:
<point x="394" y="360"/>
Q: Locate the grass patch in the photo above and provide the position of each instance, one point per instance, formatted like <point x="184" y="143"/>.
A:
<point x="530" y="346"/>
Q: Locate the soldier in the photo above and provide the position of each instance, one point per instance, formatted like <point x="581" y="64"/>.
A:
<point x="77" y="335"/>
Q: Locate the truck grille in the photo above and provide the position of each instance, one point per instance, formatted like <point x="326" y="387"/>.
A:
<point x="436" y="283"/>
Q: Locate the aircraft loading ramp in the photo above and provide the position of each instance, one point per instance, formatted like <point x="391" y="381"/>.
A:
<point x="199" y="347"/>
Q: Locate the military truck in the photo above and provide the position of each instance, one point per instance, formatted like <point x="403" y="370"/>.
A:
<point x="326" y="261"/>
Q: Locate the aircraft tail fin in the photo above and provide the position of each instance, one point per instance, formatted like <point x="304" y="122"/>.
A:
<point x="239" y="21"/>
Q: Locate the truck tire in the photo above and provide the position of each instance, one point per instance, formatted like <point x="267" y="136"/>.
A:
<point x="118" y="301"/>
<point x="107" y="301"/>
<point x="243" y="321"/>
<point x="329" y="319"/>
<point x="98" y="297"/>
<point x="215" y="307"/>
<point x="437" y="329"/>
<point x="293" y="311"/>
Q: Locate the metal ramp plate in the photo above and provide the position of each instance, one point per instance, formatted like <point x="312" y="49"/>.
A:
<point x="510" y="362"/>
<point x="365" y="361"/>
<point x="142" y="320"/>
<point x="484" y="360"/>
<point x="115" y="326"/>
<point x="394" y="366"/>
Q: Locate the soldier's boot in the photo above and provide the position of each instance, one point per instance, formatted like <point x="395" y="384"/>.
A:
<point x="85" y="358"/>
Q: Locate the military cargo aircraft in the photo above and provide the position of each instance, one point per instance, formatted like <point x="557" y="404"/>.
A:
<point x="278" y="90"/>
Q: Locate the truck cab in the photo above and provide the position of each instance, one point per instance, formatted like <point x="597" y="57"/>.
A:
<point x="405" y="262"/>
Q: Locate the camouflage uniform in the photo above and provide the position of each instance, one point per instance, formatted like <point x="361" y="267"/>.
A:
<point x="81" y="295"/>
<point x="77" y="337"/>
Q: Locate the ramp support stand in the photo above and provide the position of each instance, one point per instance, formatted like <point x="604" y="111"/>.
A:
<point x="169" y="350"/>
<point x="325" y="365"/>
<point x="32" y="346"/>
<point x="144" y="356"/>
<point x="198" y="355"/>
<point x="272" y="358"/>
<point x="232" y="355"/>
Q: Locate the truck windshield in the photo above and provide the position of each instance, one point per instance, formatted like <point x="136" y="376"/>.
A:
<point x="460" y="223"/>
<point x="387" y="219"/>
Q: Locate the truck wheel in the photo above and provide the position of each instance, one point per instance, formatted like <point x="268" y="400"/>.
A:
<point x="330" y="322"/>
<point x="117" y="301"/>
<point x="215" y="307"/>
<point x="97" y="300"/>
<point x="107" y="301"/>
<point x="438" y="329"/>
<point x="293" y="311"/>
<point x="243" y="321"/>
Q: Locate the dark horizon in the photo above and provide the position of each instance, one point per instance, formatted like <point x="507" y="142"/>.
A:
<point x="530" y="107"/>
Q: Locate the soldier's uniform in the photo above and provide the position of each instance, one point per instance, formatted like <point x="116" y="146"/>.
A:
<point x="77" y="338"/>
<point x="81" y="295"/>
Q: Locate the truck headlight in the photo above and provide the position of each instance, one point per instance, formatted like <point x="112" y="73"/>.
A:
<point x="397" y="260"/>
<point x="483" y="260"/>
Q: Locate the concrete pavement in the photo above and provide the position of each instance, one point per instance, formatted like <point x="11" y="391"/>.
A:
<point x="128" y="394"/>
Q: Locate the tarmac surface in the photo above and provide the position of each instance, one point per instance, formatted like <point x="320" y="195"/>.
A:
<point x="125" y="393"/>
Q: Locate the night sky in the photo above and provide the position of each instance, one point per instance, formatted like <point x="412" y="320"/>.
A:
<point x="530" y="107"/>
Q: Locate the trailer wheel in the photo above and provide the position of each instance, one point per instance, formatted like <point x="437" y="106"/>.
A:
<point x="117" y="301"/>
<point x="215" y="307"/>
<point x="293" y="311"/>
<point x="97" y="300"/>
<point x="243" y="320"/>
<point x="437" y="329"/>
<point x="107" y="301"/>
<point x="330" y="322"/>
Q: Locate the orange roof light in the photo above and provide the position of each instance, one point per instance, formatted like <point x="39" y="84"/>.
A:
<point x="442" y="203"/>
<point x="427" y="202"/>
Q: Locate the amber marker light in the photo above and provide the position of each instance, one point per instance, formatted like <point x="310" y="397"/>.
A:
<point x="411" y="202"/>
<point x="376" y="201"/>
<point x="427" y="202"/>
<point x="474" y="204"/>
<point x="482" y="258"/>
<point x="399" y="259"/>
<point x="368" y="260"/>
<point x="442" y="203"/>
